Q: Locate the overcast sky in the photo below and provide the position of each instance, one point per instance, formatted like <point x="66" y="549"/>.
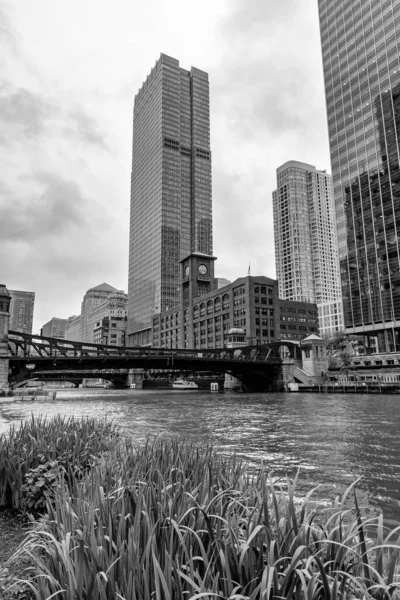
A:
<point x="69" y="74"/>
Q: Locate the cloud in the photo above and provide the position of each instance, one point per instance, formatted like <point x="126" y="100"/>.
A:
<point x="32" y="115"/>
<point x="66" y="99"/>
<point x="268" y="106"/>
<point x="55" y="206"/>
<point x="86" y="128"/>
<point x="263" y="79"/>
<point x="27" y="110"/>
<point x="8" y="36"/>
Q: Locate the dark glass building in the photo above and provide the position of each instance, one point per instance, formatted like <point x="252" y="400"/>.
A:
<point x="171" y="204"/>
<point x="360" y="48"/>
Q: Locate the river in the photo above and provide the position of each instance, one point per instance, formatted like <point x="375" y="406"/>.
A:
<point x="332" y="438"/>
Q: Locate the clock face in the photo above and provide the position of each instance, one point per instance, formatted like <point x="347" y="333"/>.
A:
<point x="202" y="269"/>
<point x="187" y="270"/>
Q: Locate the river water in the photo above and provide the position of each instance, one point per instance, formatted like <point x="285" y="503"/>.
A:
<point x="332" y="438"/>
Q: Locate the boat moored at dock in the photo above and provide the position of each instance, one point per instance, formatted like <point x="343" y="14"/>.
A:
<point x="184" y="384"/>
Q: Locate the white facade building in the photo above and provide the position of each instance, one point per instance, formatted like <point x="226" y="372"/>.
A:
<point x="306" y="249"/>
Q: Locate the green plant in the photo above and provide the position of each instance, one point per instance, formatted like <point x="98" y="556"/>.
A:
<point x="39" y="486"/>
<point x="74" y="443"/>
<point x="169" y="521"/>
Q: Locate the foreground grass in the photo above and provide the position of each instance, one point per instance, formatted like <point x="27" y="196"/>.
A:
<point x="168" y="521"/>
<point x="40" y="447"/>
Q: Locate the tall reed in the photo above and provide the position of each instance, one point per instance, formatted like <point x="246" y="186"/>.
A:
<point x="73" y="443"/>
<point x="169" y="521"/>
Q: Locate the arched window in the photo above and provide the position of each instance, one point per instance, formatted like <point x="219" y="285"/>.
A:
<point x="225" y="302"/>
<point x="217" y="304"/>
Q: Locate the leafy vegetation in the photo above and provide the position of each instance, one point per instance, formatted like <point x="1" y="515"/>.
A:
<point x="39" y="486"/>
<point x="168" y="521"/>
<point x="342" y="348"/>
<point x="72" y="443"/>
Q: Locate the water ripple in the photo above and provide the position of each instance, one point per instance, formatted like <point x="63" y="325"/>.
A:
<point x="332" y="439"/>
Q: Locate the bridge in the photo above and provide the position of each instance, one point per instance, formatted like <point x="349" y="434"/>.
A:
<point x="258" y="367"/>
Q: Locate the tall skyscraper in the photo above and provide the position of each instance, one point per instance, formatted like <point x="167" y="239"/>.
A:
<point x="171" y="206"/>
<point x="306" y="253"/>
<point x="360" y="48"/>
<point x="21" y="310"/>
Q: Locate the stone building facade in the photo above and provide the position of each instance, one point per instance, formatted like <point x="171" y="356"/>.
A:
<point x="21" y="311"/>
<point x="103" y="319"/>
<point x="207" y="313"/>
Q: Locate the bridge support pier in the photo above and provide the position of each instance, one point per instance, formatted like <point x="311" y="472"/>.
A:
<point x="135" y="378"/>
<point x="5" y="300"/>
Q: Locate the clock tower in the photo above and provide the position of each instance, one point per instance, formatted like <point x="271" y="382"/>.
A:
<point x="197" y="271"/>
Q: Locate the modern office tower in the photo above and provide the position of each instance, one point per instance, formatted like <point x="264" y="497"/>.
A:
<point x="171" y="211"/>
<point x="362" y="85"/>
<point x="55" y="328"/>
<point x="21" y="309"/>
<point x="306" y="252"/>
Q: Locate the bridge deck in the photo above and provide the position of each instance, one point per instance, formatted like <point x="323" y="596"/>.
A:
<point x="29" y="353"/>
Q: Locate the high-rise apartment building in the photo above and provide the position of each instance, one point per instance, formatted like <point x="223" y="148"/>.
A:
<point x="360" y="48"/>
<point x="21" y="311"/>
<point x="306" y="253"/>
<point x="171" y="207"/>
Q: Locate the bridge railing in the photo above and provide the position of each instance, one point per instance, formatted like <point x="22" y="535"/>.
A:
<point x="26" y="346"/>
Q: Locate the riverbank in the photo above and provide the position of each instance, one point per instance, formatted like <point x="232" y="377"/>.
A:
<point x="14" y="529"/>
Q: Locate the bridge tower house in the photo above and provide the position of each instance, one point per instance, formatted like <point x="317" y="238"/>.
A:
<point x="5" y="300"/>
<point x="236" y="338"/>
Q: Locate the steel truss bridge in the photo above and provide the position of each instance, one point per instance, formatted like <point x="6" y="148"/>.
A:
<point x="258" y="367"/>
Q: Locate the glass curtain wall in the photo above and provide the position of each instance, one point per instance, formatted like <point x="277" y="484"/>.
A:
<point x="360" y="48"/>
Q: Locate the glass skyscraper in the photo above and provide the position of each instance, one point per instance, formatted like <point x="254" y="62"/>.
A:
<point x="171" y="202"/>
<point x="306" y="255"/>
<point x="360" y="48"/>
